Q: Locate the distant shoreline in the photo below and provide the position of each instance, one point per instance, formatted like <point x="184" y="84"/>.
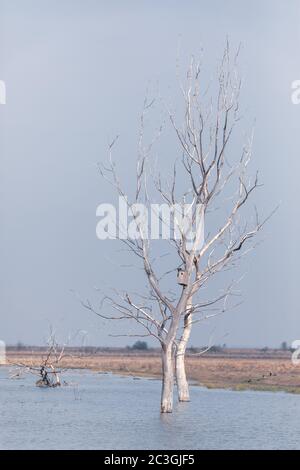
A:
<point x="235" y="369"/>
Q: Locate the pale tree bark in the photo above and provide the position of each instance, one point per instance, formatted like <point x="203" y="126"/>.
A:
<point x="167" y="379"/>
<point x="181" y="379"/>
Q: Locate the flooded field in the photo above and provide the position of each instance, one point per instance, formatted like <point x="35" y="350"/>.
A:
<point x="104" y="411"/>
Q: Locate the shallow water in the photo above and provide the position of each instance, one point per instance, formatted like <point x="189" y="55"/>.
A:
<point x="102" y="411"/>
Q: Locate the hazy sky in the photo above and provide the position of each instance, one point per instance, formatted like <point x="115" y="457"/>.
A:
<point x="76" y="73"/>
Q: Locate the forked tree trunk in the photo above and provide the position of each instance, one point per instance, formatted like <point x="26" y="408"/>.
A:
<point x="167" y="379"/>
<point x="182" y="383"/>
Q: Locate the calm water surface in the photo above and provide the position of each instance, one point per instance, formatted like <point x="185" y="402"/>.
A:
<point x="102" y="411"/>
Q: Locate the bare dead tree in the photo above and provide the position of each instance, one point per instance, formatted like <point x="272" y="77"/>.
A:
<point x="49" y="370"/>
<point x="216" y="186"/>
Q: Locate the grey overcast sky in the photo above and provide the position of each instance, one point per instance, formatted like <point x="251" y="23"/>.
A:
<point x="76" y="73"/>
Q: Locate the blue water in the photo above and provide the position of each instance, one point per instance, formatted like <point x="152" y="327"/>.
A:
<point x="103" y="411"/>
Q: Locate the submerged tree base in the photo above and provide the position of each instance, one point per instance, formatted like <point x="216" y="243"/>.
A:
<point x="41" y="383"/>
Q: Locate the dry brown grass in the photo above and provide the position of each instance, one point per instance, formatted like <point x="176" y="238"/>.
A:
<point x="237" y="373"/>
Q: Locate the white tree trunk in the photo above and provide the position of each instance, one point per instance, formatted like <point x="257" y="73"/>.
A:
<point x="182" y="383"/>
<point x="167" y="380"/>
